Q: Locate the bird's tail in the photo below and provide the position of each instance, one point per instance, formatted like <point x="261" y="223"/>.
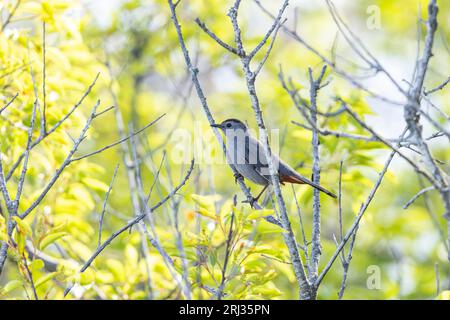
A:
<point x="301" y="180"/>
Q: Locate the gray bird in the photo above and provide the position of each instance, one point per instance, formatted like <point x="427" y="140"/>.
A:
<point x="247" y="154"/>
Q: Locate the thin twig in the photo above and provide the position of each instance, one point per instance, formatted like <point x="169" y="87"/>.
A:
<point x="109" y="146"/>
<point x="52" y="129"/>
<point x="44" y="92"/>
<point x="10" y="15"/>
<point x="436" y="272"/>
<point x="302" y="229"/>
<point x="227" y="255"/>
<point x="9" y="103"/>
<point x="132" y="223"/>
<point x="417" y="195"/>
<point x="273" y="29"/>
<point x="263" y="61"/>
<point x="350" y="78"/>
<point x="358" y="218"/>
<point x="346" y="264"/>
<point x="289" y="237"/>
<point x="175" y="205"/>
<point x="105" y="201"/>
<point x="194" y="77"/>
<point x="27" y="156"/>
<point x="326" y="132"/>
<point x="341" y="232"/>
<point x="389" y="144"/>
<point x="30" y="277"/>
<point x="225" y="45"/>
<point x="439" y="87"/>
<point x="65" y="163"/>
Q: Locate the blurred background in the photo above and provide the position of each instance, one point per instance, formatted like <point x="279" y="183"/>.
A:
<point x="134" y="46"/>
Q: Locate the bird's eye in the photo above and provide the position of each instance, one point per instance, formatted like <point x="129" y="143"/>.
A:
<point x="228" y="125"/>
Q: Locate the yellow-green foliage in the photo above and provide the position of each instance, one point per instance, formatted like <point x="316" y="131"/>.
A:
<point x="136" y="51"/>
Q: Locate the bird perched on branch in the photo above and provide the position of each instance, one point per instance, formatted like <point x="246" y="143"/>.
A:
<point x="247" y="155"/>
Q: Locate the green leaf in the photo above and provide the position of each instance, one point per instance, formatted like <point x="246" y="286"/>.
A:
<point x="23" y="226"/>
<point x="117" y="269"/>
<point x="95" y="184"/>
<point x="257" y="214"/>
<point x="266" y="250"/>
<point x="50" y="238"/>
<point x="267" y="227"/>
<point x="39" y="282"/>
<point x="212" y="258"/>
<point x="206" y="202"/>
<point x="10" y="286"/>
<point x="20" y="239"/>
<point x="87" y="277"/>
<point x="36" y="265"/>
<point x="206" y="213"/>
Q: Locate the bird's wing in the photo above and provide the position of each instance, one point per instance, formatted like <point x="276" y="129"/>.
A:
<point x="254" y="155"/>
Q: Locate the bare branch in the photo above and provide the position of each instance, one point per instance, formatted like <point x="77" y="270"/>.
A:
<point x="27" y="156"/>
<point x="439" y="87"/>
<point x="337" y="134"/>
<point x="436" y="272"/>
<point x="289" y="237"/>
<point x="227" y="255"/>
<point x="417" y="195"/>
<point x="263" y="61"/>
<point x="412" y="109"/>
<point x="102" y="215"/>
<point x="3" y="187"/>
<point x="350" y="78"/>
<point x="232" y="13"/>
<point x="316" y="250"/>
<point x="344" y="259"/>
<point x="433" y="216"/>
<point x="194" y="77"/>
<point x="109" y="146"/>
<point x="203" y="26"/>
<point x="10" y="15"/>
<point x="52" y="129"/>
<point x="301" y="104"/>
<point x="44" y="92"/>
<point x="302" y="229"/>
<point x="277" y="23"/>
<point x="132" y="223"/>
<point x="358" y="218"/>
<point x="175" y="205"/>
<point x="66" y="162"/>
<point x="155" y="179"/>
<point x="346" y="264"/>
<point x="390" y="145"/>
<point x="30" y="277"/>
<point x="9" y="103"/>
<point x="341" y="233"/>
<point x="98" y="114"/>
<point x="352" y="39"/>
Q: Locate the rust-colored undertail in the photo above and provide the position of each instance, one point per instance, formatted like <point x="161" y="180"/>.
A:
<point x="301" y="180"/>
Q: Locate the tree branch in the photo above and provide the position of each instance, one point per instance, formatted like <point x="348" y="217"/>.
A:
<point x="132" y="223"/>
<point x="194" y="77"/>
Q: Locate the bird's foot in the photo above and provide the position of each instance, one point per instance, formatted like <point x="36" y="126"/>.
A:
<point x="237" y="176"/>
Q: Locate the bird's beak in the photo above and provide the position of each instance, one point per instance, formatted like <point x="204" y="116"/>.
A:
<point x="215" y="125"/>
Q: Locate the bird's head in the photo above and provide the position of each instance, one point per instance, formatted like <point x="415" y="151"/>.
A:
<point x="231" y="124"/>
